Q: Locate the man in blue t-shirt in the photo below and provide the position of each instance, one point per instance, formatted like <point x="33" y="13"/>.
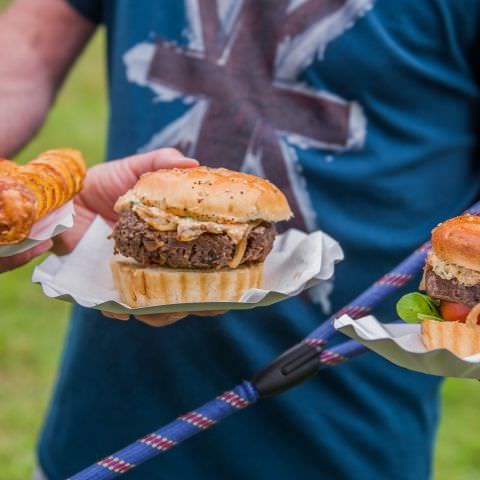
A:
<point x="364" y="112"/>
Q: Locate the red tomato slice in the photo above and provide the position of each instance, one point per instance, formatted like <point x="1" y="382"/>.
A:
<point x="453" y="312"/>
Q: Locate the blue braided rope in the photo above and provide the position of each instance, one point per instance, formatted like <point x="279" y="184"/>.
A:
<point x="244" y="395"/>
<point x="381" y="289"/>
<point x="171" y="435"/>
<point x="364" y="303"/>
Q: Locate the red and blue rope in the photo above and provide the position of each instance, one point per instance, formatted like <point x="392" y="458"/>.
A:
<point x="245" y="394"/>
<point x="171" y="435"/>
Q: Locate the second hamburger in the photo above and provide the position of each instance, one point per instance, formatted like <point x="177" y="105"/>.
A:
<point x="450" y="311"/>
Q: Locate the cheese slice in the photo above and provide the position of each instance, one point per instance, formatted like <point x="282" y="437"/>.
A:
<point x="188" y="228"/>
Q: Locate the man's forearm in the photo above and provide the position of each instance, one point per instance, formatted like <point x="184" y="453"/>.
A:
<point x="25" y="90"/>
<point x="39" y="41"/>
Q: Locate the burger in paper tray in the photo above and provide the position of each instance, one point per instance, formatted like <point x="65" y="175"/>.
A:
<point x="449" y="312"/>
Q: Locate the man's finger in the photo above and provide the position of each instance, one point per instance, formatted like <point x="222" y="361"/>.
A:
<point x="116" y="316"/>
<point x="157" y="159"/>
<point x="209" y="313"/>
<point x="9" y="263"/>
<point x="162" y="319"/>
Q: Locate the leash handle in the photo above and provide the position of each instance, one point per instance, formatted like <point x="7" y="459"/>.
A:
<point x="291" y="368"/>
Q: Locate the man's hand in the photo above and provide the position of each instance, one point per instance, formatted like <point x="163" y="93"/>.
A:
<point x="163" y="319"/>
<point x="103" y="185"/>
<point x="9" y="263"/>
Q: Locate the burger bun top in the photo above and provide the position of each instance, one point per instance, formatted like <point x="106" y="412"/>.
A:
<point x="458" y="241"/>
<point x="211" y="194"/>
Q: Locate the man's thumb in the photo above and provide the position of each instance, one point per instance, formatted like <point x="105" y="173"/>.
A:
<point x="9" y="263"/>
<point x="158" y="159"/>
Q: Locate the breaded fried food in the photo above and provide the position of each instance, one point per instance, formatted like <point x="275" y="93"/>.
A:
<point x="18" y="207"/>
<point x="47" y="182"/>
<point x="7" y="166"/>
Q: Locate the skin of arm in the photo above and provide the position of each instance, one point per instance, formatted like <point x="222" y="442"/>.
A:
<point x="39" y="42"/>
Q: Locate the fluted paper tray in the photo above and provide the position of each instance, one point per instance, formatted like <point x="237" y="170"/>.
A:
<point x="53" y="224"/>
<point x="298" y="261"/>
<point x="401" y="344"/>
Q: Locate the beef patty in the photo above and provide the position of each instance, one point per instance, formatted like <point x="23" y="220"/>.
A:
<point x="136" y="239"/>
<point x="450" y="290"/>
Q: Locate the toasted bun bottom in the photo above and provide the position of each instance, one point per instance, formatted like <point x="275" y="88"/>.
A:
<point x="461" y="339"/>
<point x="146" y="287"/>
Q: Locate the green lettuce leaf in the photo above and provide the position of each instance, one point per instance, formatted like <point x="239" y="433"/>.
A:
<point x="415" y="306"/>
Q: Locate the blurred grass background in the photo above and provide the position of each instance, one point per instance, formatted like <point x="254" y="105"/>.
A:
<point x="32" y="327"/>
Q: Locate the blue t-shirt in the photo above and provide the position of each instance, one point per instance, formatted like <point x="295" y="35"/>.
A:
<point x="365" y="114"/>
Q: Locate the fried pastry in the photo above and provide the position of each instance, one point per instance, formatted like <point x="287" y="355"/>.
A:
<point x="32" y="191"/>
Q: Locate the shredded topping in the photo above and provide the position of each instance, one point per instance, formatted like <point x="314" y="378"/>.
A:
<point x="449" y="271"/>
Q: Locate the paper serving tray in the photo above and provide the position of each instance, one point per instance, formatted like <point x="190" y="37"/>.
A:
<point x="53" y="224"/>
<point x="298" y="261"/>
<point x="401" y="344"/>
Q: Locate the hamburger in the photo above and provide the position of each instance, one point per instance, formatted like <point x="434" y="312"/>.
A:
<point x="451" y="279"/>
<point x="194" y="235"/>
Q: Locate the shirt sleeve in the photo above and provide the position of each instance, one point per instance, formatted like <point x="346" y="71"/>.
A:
<point x="90" y="9"/>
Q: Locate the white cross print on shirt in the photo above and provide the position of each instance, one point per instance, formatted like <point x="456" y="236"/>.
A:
<point x="240" y="73"/>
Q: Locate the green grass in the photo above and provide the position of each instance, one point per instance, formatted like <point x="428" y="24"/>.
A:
<point x="32" y="327"/>
<point x="458" y="446"/>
